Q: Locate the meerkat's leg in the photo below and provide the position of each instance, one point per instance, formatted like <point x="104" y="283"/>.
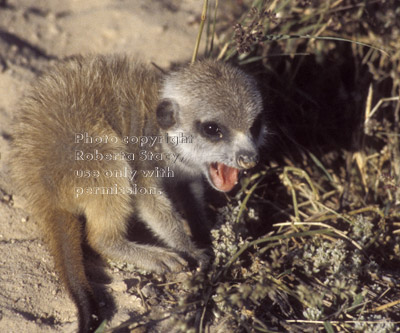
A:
<point x="107" y="221"/>
<point x="64" y="234"/>
<point x="189" y="198"/>
<point x="160" y="215"/>
<point x="118" y="248"/>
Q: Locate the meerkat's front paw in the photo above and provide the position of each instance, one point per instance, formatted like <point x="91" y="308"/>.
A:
<point x="204" y="257"/>
<point x="201" y="257"/>
<point x="166" y="262"/>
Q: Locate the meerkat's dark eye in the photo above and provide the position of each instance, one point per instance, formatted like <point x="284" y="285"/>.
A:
<point x="211" y="130"/>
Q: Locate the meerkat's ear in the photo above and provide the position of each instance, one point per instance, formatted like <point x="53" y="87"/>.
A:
<point x="167" y="112"/>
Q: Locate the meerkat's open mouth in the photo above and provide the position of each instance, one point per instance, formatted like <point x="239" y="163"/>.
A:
<point x="223" y="177"/>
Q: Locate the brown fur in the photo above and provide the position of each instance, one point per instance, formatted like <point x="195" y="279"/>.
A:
<point x="113" y="96"/>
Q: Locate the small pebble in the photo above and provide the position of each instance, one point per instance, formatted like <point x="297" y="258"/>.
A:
<point x="119" y="286"/>
<point x="6" y="198"/>
<point x="148" y="290"/>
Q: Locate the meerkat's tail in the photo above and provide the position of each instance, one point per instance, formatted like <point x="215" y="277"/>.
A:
<point x="65" y="245"/>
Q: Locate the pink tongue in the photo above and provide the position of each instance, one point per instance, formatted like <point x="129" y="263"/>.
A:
<point x="223" y="177"/>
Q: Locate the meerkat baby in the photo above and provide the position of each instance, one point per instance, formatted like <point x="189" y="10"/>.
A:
<point x="101" y="141"/>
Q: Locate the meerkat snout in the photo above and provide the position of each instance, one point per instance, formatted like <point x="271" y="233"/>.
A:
<point x="247" y="159"/>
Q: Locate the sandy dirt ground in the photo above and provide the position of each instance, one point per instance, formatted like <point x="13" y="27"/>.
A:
<point x="33" y="34"/>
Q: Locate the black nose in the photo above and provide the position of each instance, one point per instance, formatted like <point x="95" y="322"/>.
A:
<point x="247" y="159"/>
